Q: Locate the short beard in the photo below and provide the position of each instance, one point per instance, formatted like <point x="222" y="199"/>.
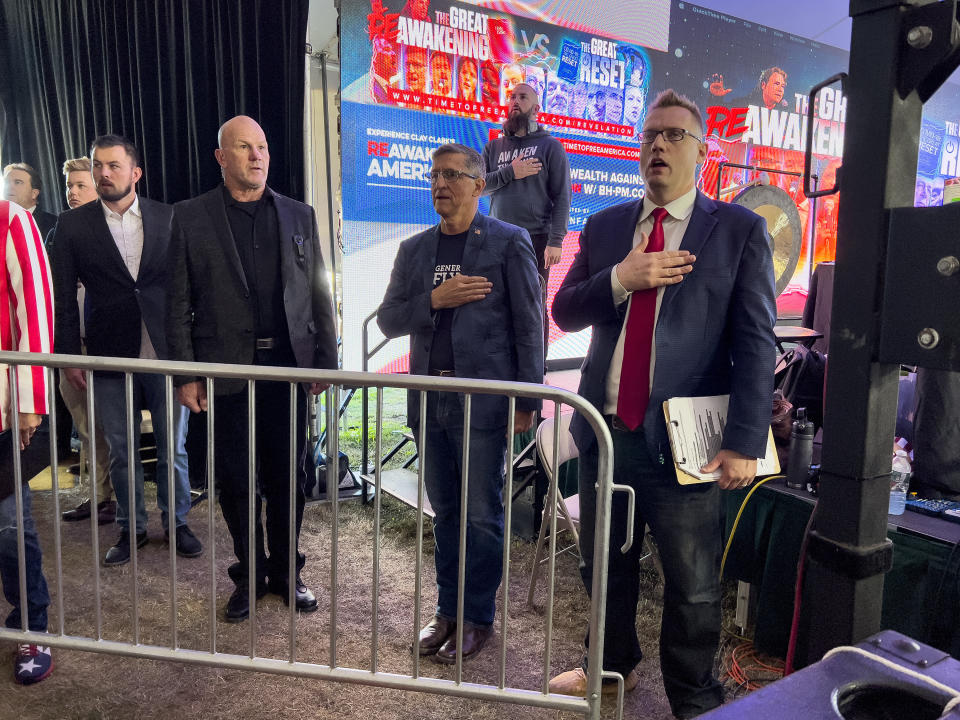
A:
<point x="115" y="194"/>
<point x="517" y="122"/>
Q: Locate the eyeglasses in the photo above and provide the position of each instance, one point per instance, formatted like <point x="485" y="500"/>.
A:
<point x="450" y="175"/>
<point x="674" y="135"/>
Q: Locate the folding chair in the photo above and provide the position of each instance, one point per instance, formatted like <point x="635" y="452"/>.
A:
<point x="568" y="509"/>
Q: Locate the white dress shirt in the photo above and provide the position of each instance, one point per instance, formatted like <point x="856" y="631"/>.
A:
<point x="674" y="226"/>
<point x="127" y="232"/>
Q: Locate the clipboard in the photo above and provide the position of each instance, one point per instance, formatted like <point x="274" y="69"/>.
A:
<point x="695" y="430"/>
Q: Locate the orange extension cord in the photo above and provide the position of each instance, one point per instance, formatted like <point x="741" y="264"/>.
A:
<point x="749" y="671"/>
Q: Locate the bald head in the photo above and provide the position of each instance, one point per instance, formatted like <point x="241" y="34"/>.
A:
<point x="243" y="157"/>
<point x="529" y="90"/>
<point x="522" y="108"/>
<point x="239" y="124"/>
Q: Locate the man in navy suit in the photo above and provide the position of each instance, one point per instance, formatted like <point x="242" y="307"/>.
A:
<point x="117" y="248"/>
<point x="679" y="290"/>
<point x="468" y="294"/>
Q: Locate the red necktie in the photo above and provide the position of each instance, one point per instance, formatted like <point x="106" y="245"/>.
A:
<point x="634" y="391"/>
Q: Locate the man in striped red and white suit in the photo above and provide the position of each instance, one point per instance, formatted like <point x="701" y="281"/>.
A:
<point x="26" y="324"/>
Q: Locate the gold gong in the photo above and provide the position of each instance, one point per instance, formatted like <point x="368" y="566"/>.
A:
<point x="783" y="227"/>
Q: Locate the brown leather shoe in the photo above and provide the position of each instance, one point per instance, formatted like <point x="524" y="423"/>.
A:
<point x="474" y="638"/>
<point x="574" y="682"/>
<point x="435" y="634"/>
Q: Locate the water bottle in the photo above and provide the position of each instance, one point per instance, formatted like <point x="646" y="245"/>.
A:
<point x="899" y="482"/>
<point x="801" y="451"/>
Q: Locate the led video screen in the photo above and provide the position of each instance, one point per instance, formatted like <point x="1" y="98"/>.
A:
<point x="418" y="74"/>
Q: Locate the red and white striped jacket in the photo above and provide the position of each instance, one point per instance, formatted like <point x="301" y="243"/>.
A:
<point x="26" y="309"/>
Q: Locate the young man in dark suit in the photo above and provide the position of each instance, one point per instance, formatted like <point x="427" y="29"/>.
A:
<point x="248" y="286"/>
<point x="467" y="293"/>
<point x="118" y="249"/>
<point x="679" y="290"/>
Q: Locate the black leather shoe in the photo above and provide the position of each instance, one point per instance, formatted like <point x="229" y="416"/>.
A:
<point x="119" y="554"/>
<point x="106" y="512"/>
<point x="238" y="606"/>
<point x="305" y="599"/>
<point x="474" y="638"/>
<point x="434" y="634"/>
<point x="80" y="512"/>
<point x="188" y="545"/>
<point x="235" y="573"/>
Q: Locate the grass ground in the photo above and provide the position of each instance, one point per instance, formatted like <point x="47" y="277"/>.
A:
<point x="93" y="686"/>
<point x="394" y="423"/>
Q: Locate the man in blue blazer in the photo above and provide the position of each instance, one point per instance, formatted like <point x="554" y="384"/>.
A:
<point x="679" y="290"/>
<point x="468" y="294"/>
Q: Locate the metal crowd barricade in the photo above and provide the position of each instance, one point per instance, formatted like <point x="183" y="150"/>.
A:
<point x="332" y="670"/>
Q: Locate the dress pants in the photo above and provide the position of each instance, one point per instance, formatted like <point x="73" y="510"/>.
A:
<point x="272" y="478"/>
<point x="685" y="522"/>
<point x="539" y="246"/>
<point x="76" y="402"/>
<point x="64" y="428"/>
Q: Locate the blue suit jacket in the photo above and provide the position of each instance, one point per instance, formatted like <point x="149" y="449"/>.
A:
<point x="497" y="338"/>
<point x="714" y="333"/>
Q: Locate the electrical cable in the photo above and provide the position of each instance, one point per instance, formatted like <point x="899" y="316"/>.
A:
<point x="798" y="593"/>
<point x="735" y="634"/>
<point x="778" y="669"/>
<point x="737" y="672"/>
<point x="733" y="530"/>
<point x="745" y="665"/>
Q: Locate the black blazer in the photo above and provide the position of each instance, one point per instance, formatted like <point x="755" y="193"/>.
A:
<point x="45" y="222"/>
<point x="210" y="313"/>
<point x="84" y="250"/>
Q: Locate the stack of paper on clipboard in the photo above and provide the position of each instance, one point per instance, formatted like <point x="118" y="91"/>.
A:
<point x="695" y="427"/>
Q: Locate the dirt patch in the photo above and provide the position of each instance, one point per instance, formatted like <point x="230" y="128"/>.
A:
<point x="90" y="685"/>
